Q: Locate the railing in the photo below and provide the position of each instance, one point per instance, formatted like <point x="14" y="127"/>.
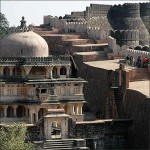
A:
<point x="73" y="97"/>
<point x="14" y="119"/>
<point x="18" y="61"/>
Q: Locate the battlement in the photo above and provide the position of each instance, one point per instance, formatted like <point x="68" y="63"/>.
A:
<point x="78" y="14"/>
<point x="75" y="23"/>
<point x="125" y="34"/>
<point x="131" y="6"/>
<point x="97" y="7"/>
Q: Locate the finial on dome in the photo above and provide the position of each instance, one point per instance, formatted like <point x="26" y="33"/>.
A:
<point x="23" y="22"/>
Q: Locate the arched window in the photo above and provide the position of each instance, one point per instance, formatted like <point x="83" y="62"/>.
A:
<point x="38" y="71"/>
<point x="10" y="111"/>
<point x="34" y="117"/>
<point x="6" y="72"/>
<point x="20" y="111"/>
<point x="63" y="71"/>
<point x="41" y="113"/>
<point x="54" y="72"/>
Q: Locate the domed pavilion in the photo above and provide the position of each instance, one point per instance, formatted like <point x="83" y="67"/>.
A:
<point x="36" y="88"/>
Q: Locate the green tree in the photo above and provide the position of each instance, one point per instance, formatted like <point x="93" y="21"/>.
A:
<point x="4" y="25"/>
<point x="13" y="137"/>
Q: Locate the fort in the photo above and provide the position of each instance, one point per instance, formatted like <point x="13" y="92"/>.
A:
<point x="74" y="88"/>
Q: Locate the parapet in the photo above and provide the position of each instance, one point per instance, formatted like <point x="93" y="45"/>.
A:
<point x="131" y="35"/>
<point x="131" y="10"/>
<point x="145" y="9"/>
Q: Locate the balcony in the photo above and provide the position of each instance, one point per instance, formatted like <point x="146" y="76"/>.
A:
<point x="44" y="96"/>
<point x="71" y="98"/>
<point x="4" y="120"/>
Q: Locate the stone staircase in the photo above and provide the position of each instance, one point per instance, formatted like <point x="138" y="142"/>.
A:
<point x="139" y="74"/>
<point x="45" y="31"/>
<point x="78" y="41"/>
<point x="58" y="144"/>
<point x="119" y="103"/>
<point x="65" y="144"/>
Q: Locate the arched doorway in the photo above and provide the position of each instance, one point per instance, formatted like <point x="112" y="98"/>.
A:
<point x="17" y="71"/>
<point x="38" y="71"/>
<point x="56" y="130"/>
<point x="1" y="112"/>
<point x="63" y="71"/>
<point x="41" y="113"/>
<point x="10" y="111"/>
<point x="6" y="72"/>
<point x="54" y="72"/>
<point x="20" y="111"/>
<point x="34" y="117"/>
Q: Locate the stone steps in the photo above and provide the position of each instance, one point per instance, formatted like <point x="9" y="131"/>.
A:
<point x="119" y="104"/>
<point x="58" y="144"/>
<point x="70" y="42"/>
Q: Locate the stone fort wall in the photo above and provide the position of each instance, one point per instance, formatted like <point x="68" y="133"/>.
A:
<point x="129" y="16"/>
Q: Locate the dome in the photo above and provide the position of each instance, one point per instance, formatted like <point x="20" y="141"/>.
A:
<point x="23" y="44"/>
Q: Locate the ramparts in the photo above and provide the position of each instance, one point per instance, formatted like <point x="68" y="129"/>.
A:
<point x="126" y="37"/>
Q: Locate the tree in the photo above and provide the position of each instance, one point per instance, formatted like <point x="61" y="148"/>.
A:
<point x="13" y="137"/>
<point x="4" y="25"/>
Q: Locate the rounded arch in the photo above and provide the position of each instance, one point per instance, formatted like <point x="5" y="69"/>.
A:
<point x="20" y="111"/>
<point x="17" y="71"/>
<point x="34" y="117"/>
<point x="6" y="72"/>
<point x="63" y="71"/>
<point x="38" y="71"/>
<point x="41" y="113"/>
<point x="1" y="111"/>
<point x="54" y="72"/>
<point x="10" y="111"/>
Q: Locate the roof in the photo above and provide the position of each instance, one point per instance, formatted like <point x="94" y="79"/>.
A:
<point x="28" y="44"/>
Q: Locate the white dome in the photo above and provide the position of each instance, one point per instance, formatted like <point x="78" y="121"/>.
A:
<point x="24" y="44"/>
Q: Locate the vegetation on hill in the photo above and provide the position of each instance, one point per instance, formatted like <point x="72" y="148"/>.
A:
<point x="13" y="137"/>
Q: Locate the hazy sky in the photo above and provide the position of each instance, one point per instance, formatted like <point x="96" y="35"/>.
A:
<point x="35" y="10"/>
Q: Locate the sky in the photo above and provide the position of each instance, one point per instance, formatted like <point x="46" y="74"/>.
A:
<point x="33" y="11"/>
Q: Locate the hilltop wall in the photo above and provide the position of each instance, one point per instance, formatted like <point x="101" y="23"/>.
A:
<point x="138" y="110"/>
<point x="132" y="19"/>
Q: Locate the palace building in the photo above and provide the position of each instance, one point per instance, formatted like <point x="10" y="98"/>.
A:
<point x="35" y="85"/>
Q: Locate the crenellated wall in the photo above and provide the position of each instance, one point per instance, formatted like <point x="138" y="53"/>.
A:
<point x="131" y="22"/>
<point x="78" y="27"/>
<point x="134" y="53"/>
<point x="97" y="33"/>
<point x="126" y="37"/>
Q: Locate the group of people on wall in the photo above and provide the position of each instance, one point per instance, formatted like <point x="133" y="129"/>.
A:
<point x="140" y="62"/>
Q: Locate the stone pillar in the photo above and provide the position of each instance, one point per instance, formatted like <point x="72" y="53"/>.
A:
<point x="80" y="109"/>
<point x="77" y="109"/>
<point x="27" y="70"/>
<point x="5" y="110"/>
<point x="58" y="71"/>
<point x="11" y="70"/>
<point x="68" y="71"/>
<point x="1" y="71"/>
<point x="15" y="110"/>
<point x="81" y="89"/>
<point x="49" y="73"/>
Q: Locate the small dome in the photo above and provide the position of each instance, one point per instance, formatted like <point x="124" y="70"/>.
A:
<point x="23" y="44"/>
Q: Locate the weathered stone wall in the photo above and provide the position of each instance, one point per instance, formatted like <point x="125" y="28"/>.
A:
<point x="137" y="108"/>
<point x="108" y="134"/>
<point x="98" y="92"/>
